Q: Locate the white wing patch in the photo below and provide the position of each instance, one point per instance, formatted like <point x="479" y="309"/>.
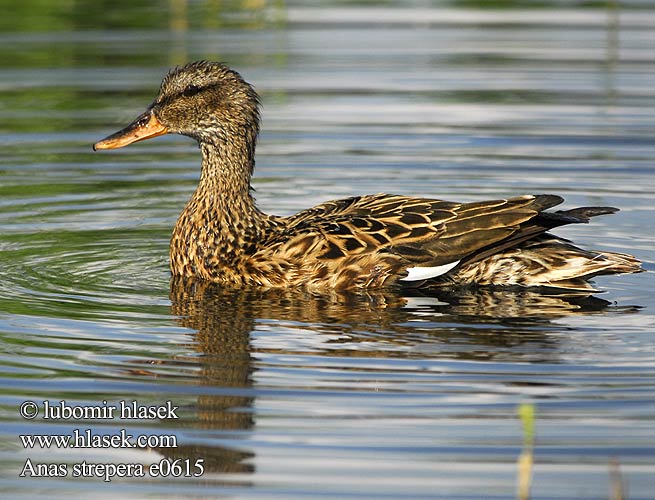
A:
<point x="424" y="273"/>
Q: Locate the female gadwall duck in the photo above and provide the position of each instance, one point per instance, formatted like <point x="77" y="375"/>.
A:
<point x="360" y="242"/>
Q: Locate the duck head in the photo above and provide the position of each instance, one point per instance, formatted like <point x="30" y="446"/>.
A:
<point x="204" y="100"/>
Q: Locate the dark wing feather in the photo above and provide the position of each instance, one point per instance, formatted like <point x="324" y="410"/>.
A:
<point x="478" y="225"/>
<point x="420" y="231"/>
<point x="542" y="222"/>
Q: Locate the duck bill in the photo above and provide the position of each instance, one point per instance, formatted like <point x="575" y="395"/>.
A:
<point x="144" y="127"/>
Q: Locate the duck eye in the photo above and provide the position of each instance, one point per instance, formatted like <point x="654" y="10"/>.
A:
<point x="191" y="90"/>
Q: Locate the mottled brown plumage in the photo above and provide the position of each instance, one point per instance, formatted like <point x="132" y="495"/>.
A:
<point x="361" y="242"/>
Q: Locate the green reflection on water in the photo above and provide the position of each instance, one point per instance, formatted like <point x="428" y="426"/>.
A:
<point x="176" y="15"/>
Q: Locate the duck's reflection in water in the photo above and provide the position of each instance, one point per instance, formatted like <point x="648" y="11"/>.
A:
<point x="492" y="319"/>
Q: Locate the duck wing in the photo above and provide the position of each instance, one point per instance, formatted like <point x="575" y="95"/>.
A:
<point x="415" y="232"/>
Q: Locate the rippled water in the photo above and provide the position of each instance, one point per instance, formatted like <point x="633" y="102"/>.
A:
<point x="283" y="394"/>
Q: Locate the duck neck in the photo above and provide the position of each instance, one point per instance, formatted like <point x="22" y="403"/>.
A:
<point x="222" y="213"/>
<point x="224" y="183"/>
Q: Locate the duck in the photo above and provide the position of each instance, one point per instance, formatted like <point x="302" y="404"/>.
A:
<point x="361" y="242"/>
